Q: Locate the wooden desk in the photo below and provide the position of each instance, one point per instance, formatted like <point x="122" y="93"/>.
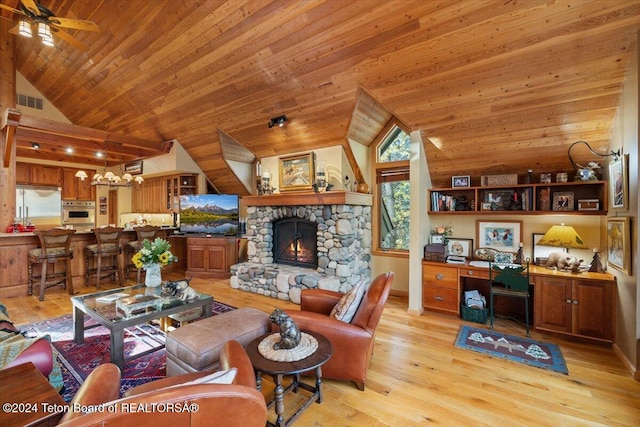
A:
<point x="581" y="304"/>
<point x="28" y="398"/>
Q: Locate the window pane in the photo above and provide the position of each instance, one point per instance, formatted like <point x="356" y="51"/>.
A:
<point x="395" y="147"/>
<point x="394" y="215"/>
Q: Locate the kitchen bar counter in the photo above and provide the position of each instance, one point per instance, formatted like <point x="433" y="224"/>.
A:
<point x="14" y="248"/>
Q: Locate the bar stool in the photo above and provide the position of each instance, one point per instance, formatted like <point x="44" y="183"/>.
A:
<point x="107" y="246"/>
<point x="147" y="232"/>
<point x="54" y="247"/>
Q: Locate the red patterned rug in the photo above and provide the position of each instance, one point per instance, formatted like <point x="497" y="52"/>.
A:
<point x="79" y="360"/>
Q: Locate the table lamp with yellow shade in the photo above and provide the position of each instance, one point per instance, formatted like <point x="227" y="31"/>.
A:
<point x="565" y="236"/>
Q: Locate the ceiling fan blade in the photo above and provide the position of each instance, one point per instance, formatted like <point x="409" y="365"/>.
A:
<point x="32" y="6"/>
<point x="15" y="30"/>
<point x="77" y="24"/>
<point x="70" y="39"/>
<point x="10" y="9"/>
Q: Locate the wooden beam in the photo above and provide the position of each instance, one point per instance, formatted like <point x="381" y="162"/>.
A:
<point x="10" y="120"/>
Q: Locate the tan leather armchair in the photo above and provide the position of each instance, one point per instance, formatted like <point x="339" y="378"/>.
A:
<point x="239" y="404"/>
<point x="352" y="342"/>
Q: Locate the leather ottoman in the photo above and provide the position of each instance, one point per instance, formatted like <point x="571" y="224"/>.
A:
<point x="196" y="347"/>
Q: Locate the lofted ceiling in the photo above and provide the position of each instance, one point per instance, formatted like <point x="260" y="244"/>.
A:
<point x="493" y="86"/>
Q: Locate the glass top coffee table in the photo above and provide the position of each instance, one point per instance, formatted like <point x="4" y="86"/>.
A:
<point x="118" y="309"/>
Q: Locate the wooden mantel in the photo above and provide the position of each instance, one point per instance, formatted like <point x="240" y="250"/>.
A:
<point x="310" y="198"/>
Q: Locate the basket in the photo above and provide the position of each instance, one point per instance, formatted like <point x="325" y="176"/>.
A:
<point x="472" y="314"/>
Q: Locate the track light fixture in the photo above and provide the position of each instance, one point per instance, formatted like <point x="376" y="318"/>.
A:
<point x="277" y="121"/>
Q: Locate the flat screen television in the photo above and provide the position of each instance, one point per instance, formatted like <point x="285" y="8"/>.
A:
<point x="215" y="214"/>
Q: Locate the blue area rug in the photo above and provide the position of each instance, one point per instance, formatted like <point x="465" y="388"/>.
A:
<point x="518" y="349"/>
<point x="77" y="361"/>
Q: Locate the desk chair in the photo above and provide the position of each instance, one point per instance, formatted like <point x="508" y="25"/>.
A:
<point x="107" y="246"/>
<point x="54" y="247"/>
<point x="147" y="232"/>
<point x="510" y="280"/>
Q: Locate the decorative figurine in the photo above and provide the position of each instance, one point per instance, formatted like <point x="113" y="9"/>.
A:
<point x="289" y="332"/>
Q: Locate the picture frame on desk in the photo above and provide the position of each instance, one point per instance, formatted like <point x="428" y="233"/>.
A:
<point x="619" y="244"/>
<point x="540" y="254"/>
<point x="503" y="236"/>
<point x="460" y="247"/>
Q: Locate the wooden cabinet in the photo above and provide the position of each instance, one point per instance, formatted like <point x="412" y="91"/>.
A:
<point x="162" y="194"/>
<point x="527" y="199"/>
<point x="34" y="174"/>
<point x="23" y="173"/>
<point x="75" y="189"/>
<point x="179" y="185"/>
<point x="580" y="305"/>
<point x="440" y="288"/>
<point x="211" y="257"/>
<point x="575" y="306"/>
<point x="148" y="197"/>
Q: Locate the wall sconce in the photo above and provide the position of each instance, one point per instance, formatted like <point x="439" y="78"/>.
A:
<point x="277" y="121"/>
<point x="586" y="173"/>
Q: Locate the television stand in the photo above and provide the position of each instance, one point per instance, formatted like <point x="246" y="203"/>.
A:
<point x="211" y="257"/>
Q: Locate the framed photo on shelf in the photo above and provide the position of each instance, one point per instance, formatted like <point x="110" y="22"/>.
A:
<point x="503" y="236"/>
<point x="460" y="181"/>
<point x="619" y="182"/>
<point x="619" y="244"/>
<point x="563" y="201"/>
<point x="541" y="253"/>
<point x="296" y="172"/>
<point x="460" y="247"/>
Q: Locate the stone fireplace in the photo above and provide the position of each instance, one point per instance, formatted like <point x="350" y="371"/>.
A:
<point x="278" y="260"/>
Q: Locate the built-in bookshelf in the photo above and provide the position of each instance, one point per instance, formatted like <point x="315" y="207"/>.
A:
<point x="572" y="198"/>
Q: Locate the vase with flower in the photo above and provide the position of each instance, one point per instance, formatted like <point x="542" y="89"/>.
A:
<point x="152" y="256"/>
<point x="439" y="235"/>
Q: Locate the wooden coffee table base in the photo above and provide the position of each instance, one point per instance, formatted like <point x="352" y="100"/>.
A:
<point x="278" y="370"/>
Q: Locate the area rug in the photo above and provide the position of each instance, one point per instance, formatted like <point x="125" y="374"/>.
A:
<point x="518" y="349"/>
<point x="77" y="361"/>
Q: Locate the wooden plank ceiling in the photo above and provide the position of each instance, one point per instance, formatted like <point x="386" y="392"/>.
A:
<point x="493" y="86"/>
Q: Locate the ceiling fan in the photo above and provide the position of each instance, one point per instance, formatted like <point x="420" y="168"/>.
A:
<point x="47" y="24"/>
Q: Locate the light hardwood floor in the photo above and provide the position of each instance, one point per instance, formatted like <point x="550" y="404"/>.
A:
<point x="417" y="377"/>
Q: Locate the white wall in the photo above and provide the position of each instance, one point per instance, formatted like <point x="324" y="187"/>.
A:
<point x="336" y="164"/>
<point x="625" y="135"/>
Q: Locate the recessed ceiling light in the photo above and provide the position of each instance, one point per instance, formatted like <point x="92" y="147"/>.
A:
<point x="69" y="150"/>
<point x="99" y="154"/>
<point x="35" y="145"/>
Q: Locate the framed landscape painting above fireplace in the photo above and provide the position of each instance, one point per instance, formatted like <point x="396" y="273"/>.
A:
<point x="296" y="172"/>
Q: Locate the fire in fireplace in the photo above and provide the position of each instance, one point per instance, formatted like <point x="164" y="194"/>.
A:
<point x="295" y="242"/>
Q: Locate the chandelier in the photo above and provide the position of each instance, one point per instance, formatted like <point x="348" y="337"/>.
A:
<point x="109" y="179"/>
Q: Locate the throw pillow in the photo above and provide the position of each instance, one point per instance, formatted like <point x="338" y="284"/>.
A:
<point x="346" y="308"/>
<point x="220" y="377"/>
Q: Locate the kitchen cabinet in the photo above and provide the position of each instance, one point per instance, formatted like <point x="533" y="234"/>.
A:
<point x="162" y="194"/>
<point x="575" y="306"/>
<point x="211" y="257"/>
<point x="75" y="189"/>
<point x="149" y="196"/>
<point x="35" y="174"/>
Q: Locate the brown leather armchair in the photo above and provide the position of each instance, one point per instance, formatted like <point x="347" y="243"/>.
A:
<point x="352" y="342"/>
<point x="239" y="404"/>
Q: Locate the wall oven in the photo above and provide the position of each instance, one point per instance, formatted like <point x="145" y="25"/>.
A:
<point x="81" y="215"/>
